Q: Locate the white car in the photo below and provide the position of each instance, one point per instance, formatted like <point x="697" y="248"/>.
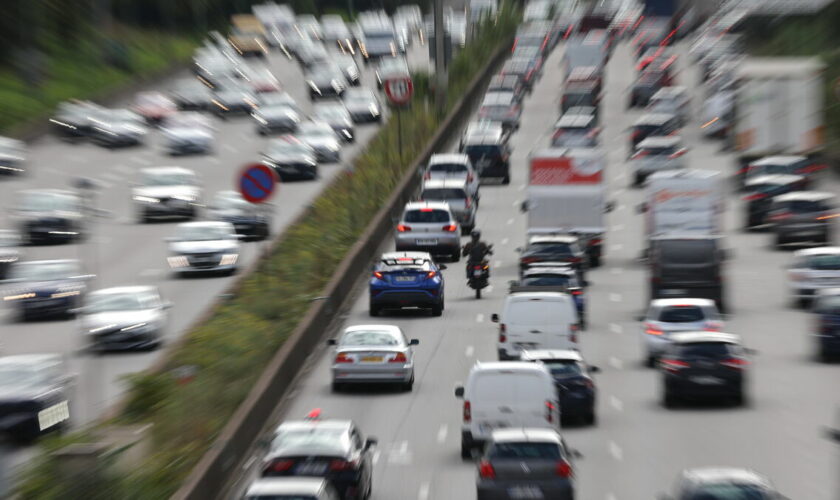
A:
<point x="309" y="488"/>
<point x="813" y="269"/>
<point x="453" y="165"/>
<point x="122" y="318"/>
<point x="536" y="320"/>
<point x="204" y="247"/>
<point x="188" y="132"/>
<point x="321" y="137"/>
<point x="166" y="192"/>
<point x="668" y="316"/>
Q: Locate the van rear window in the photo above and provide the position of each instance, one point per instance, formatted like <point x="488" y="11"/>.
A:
<point x="533" y="312"/>
<point x="825" y="262"/>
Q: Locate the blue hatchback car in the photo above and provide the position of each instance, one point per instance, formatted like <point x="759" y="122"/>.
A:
<point x="826" y="307"/>
<point x="406" y="279"/>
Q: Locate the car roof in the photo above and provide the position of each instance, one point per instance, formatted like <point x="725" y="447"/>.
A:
<point x="525" y="366"/>
<point x="446" y="182"/>
<point x="204" y="223"/>
<point x="804" y="196"/>
<point x="568" y="120"/>
<point x="449" y="158"/>
<point x="778" y="160"/>
<point x="166" y="169"/>
<point x="552" y="238"/>
<point x="539" y="435"/>
<point x="546" y="354"/>
<point x="332" y="423"/>
<point x="498" y="98"/>
<point x="125" y="289"/>
<point x="724" y="474"/>
<point x="287" y="486"/>
<point x="417" y="205"/>
<point x="773" y="179"/>
<point x="660" y="141"/>
<point x="682" y="302"/>
<point x="653" y="118"/>
<point x="807" y="252"/>
<point x="689" y="337"/>
<point x="363" y="328"/>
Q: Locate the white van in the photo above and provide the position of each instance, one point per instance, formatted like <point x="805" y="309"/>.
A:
<point x="536" y="320"/>
<point x="509" y="394"/>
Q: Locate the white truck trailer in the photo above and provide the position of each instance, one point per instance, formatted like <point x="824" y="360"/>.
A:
<point x="683" y="202"/>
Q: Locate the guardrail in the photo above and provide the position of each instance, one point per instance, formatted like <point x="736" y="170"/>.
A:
<point x="212" y="473"/>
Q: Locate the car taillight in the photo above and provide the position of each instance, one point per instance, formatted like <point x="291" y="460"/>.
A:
<point x="549" y="411"/>
<point x="340" y="465"/>
<point x="755" y="196"/>
<point x="564" y="469"/>
<point x="713" y="326"/>
<point x="736" y="363"/>
<point x="639" y="154"/>
<point x="577" y="292"/>
<point x="652" y="330"/>
<point x="779" y="216"/>
<point x="467" y="411"/>
<point x="574" y="260"/>
<point x="485" y="470"/>
<point x="403" y="228"/>
<point x="399" y="358"/>
<point x="378" y="275"/>
<point x="568" y="31"/>
<point x="502" y="333"/>
<point x="451" y="228"/>
<point x="342" y="357"/>
<point x="431" y="274"/>
<point x="828" y="216"/>
<point x="677" y="154"/>
<point x="594" y="242"/>
<point x="427" y="175"/>
<point x="812" y="168"/>
<point x="470" y="177"/>
<point x="573" y="331"/>
<point x="746" y="169"/>
<point x="468" y="202"/>
<point x="280" y="466"/>
<point x="636" y="134"/>
<point x="673" y="365"/>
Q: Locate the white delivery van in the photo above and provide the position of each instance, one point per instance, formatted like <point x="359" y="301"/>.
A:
<point x="506" y="394"/>
<point x="536" y="320"/>
<point x="685" y="202"/>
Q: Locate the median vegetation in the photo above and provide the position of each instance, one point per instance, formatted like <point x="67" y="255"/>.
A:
<point x="231" y="348"/>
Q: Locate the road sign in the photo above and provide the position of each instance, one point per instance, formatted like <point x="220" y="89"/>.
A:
<point x="399" y="90"/>
<point x="257" y="182"/>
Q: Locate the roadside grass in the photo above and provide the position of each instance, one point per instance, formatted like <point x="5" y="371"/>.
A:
<point x="231" y="349"/>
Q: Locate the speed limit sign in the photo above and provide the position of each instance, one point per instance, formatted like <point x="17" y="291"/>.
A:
<point x="399" y="90"/>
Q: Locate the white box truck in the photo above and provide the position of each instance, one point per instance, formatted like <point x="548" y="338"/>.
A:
<point x="778" y="108"/>
<point x="566" y="194"/>
<point x="684" y="202"/>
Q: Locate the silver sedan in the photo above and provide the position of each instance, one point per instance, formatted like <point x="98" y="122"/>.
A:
<point x="373" y="354"/>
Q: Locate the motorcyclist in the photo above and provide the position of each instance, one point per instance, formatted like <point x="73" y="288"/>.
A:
<point x="475" y="251"/>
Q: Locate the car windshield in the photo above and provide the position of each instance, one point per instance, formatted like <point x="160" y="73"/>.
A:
<point x="363" y="96"/>
<point x="44" y="271"/>
<point x="704" y="350"/>
<point x="282" y="148"/>
<point x="480" y="150"/>
<point x="168" y="179"/>
<point x="449" y="168"/>
<point x="203" y="233"/>
<point x="548" y="280"/>
<point x="686" y="252"/>
<point x="806" y="206"/>
<point x="767" y="188"/>
<point x="152" y="100"/>
<point x="444" y="194"/>
<point x="579" y="98"/>
<point x="369" y="338"/>
<point x="46" y="202"/>
<point x="552" y="248"/>
<point x="730" y="491"/>
<point x="17" y="375"/>
<point x="770" y="170"/>
<point x="187" y="120"/>
<point x="563" y="367"/>
<point x="655" y="151"/>
<point x="311" y="438"/>
<point x="525" y="451"/>
<point x="427" y="215"/>
<point x="682" y="314"/>
<point x="825" y="262"/>
<point x="316" y="131"/>
<point x="128" y="301"/>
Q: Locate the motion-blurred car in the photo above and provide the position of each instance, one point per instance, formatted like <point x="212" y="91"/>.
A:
<point x="703" y="365"/>
<point x="781" y="165"/>
<point x="12" y="156"/>
<point x="153" y="106"/>
<point x="303" y="488"/>
<point x="9" y="252"/>
<point x="337" y="116"/>
<point x="507" y="83"/>
<point x="336" y="31"/>
<point x="166" y="192"/>
<point x="657" y="154"/>
<point x="190" y="94"/>
<point x="674" y="100"/>
<point x="406" y="279"/>
<point x="646" y="85"/>
<point x="391" y="67"/>
<point x="373" y="354"/>
<point x="34" y="392"/>
<point x="252" y="220"/>
<point x="45" y="288"/>
<point x="573" y="378"/>
<point x="233" y="100"/>
<point x="557" y="276"/>
<point x="502" y="107"/>
<point x="124" y="318"/>
<point x="75" y="118"/>
<point x="759" y="194"/>
<point x="479" y="128"/>
<point x="666" y="317"/>
<point x="802" y="216"/>
<point x="652" y="125"/>
<point x="455" y="193"/>
<point x="188" y="132"/>
<point x="429" y="226"/>
<point x="812" y="270"/>
<point x="363" y="105"/>
<point x="553" y="248"/>
<point x="826" y="333"/>
<point x="311" y="53"/>
<point x="576" y="131"/>
<point x="489" y="152"/>
<point x="275" y="118"/>
<point x="333" y="449"/>
<point x="118" y="128"/>
<point x="581" y="93"/>
<point x="722" y="482"/>
<point x="325" y="80"/>
<point x="347" y="64"/>
<point x="291" y="158"/>
<point x="524" y="69"/>
<point x="310" y="26"/>
<point x="453" y="166"/>
<point x="525" y="463"/>
<point x="204" y="247"/>
<point x="49" y="216"/>
<point x="321" y="137"/>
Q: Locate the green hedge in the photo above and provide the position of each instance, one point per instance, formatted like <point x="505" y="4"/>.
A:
<point x="232" y="348"/>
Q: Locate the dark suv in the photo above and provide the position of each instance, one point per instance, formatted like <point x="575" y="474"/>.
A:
<point x="760" y="192"/>
<point x="687" y="266"/>
<point x="802" y="216"/>
<point x="653" y="125"/>
<point x="554" y="248"/>
<point x="703" y="365"/>
<point x="490" y="154"/>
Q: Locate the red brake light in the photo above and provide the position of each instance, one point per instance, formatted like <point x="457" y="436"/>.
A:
<point x="529" y="260"/>
<point x="780" y="216"/>
<point x="403" y="228"/>
<point x="399" y="358"/>
<point x="673" y="365"/>
<point x="467" y="411"/>
<point x="573" y="260"/>
<point x="677" y="154"/>
<point x="339" y="465"/>
<point x="564" y="469"/>
<point x="377" y="274"/>
<point x="485" y="470"/>
<point x="451" y="228"/>
<point x="577" y="292"/>
<point x="549" y="411"/>
<point x="736" y="363"/>
<point x="652" y="330"/>
<point x="568" y="31"/>
<point x="595" y="241"/>
<point x="502" y="331"/>
<point x="431" y="274"/>
<point x="754" y="196"/>
<point x="280" y="465"/>
<point x="573" y="330"/>
<point x="427" y="209"/>
<point x="342" y="357"/>
<point x="427" y="175"/>
<point x="470" y="177"/>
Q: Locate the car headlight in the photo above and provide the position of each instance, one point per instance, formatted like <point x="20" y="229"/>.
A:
<point x="333" y="147"/>
<point x="178" y="261"/>
<point x="68" y="293"/>
<point x="19" y="296"/>
<point x="102" y="328"/>
<point x="228" y="259"/>
<point x="146" y="199"/>
<point x="9" y="259"/>
<point x="184" y="197"/>
<point x="138" y="328"/>
<point x="314" y="87"/>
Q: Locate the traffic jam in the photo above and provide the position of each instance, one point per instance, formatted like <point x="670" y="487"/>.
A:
<point x="618" y="281"/>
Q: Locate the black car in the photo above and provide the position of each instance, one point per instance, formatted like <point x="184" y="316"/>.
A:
<point x="34" y="391"/>
<point x="713" y="483"/>
<point x="645" y="86"/>
<point x="759" y="194"/>
<point x="325" y="80"/>
<point x="524" y="69"/>
<point x="12" y="156"/>
<point x="43" y="288"/>
<point x="489" y="153"/>
<point x="573" y="378"/>
<point x="332" y="449"/>
<point x="191" y="94"/>
<point x="50" y="216"/>
<point x="702" y="365"/>
<point x="684" y="266"/>
<point x="249" y="219"/>
<point x="802" y="216"/>
<point x="507" y="83"/>
<point x="291" y="158"/>
<point x="653" y="125"/>
<point x="9" y="253"/>
<point x="826" y="308"/>
<point x="554" y="248"/>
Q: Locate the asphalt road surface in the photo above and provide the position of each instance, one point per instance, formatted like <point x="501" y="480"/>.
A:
<point x="638" y="447"/>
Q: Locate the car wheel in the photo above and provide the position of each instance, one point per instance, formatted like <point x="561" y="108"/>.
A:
<point x="740" y="399"/>
<point x="456" y="255"/>
<point x="374" y="310"/>
<point x="591" y="418"/>
<point x="437" y="309"/>
<point x="668" y="400"/>
<point x="466" y="450"/>
<point x="409" y="385"/>
<point x="595" y="261"/>
<point x="337" y="387"/>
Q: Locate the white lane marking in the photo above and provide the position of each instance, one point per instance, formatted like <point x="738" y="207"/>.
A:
<point x="611" y="496"/>
<point x="489" y="288"/>
<point x="515" y="203"/>
<point x="247" y="465"/>
<point x="616" y="328"/>
<point x="479" y="318"/>
<point x="123" y="169"/>
<point x="150" y="273"/>
<point x="618" y="227"/>
<point x="617" y="246"/>
<point x="616" y="403"/>
<point x="469" y="351"/>
<point x="617" y="270"/>
<point x="615" y="297"/>
<point x="441" y="437"/>
<point x="423" y="494"/>
<point x="214" y="160"/>
<point x="111" y="176"/>
<point x="616" y="363"/>
<point x="621" y="207"/>
<point x="504" y="241"/>
<point x="229" y="148"/>
<point x="510" y="221"/>
<point x="399" y="454"/>
<point x="616" y="451"/>
<point x="522" y="187"/>
<point x="498" y="263"/>
<point x="375" y="457"/>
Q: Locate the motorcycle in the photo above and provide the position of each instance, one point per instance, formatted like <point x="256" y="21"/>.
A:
<point x="479" y="277"/>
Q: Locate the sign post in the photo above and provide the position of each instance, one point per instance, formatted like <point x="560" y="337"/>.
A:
<point x="399" y="91"/>
<point x="257" y="183"/>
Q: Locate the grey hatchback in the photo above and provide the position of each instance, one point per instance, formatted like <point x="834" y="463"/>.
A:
<point x="526" y="463"/>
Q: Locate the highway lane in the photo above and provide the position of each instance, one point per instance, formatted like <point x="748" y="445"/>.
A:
<point x="638" y="447"/>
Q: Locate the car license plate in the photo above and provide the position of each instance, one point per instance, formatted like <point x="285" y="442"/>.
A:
<point x="371" y="359"/>
<point x="404" y="278"/>
<point x="707" y="380"/>
<point x="525" y="345"/>
<point x="314" y="469"/>
<point x="429" y="242"/>
<point x="674" y="291"/>
<point x="477" y="273"/>
<point x="527" y="491"/>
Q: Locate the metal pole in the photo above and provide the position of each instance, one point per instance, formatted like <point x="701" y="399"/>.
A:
<point x="399" y="134"/>
<point x="440" y="57"/>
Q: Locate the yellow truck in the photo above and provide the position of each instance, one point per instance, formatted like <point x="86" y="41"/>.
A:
<point x="248" y="35"/>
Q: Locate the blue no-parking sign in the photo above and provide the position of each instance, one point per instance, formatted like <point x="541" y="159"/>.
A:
<point x="257" y="182"/>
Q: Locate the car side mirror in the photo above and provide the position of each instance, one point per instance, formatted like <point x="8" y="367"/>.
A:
<point x="442" y="267"/>
<point x="609" y="207"/>
<point x="594" y="369"/>
<point x="459" y="391"/>
<point x="370" y="443"/>
<point x="332" y="342"/>
<point x="414" y="342"/>
<point x="641" y="208"/>
<point x="523" y="207"/>
<point x="494" y="318"/>
<point x="575" y="453"/>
